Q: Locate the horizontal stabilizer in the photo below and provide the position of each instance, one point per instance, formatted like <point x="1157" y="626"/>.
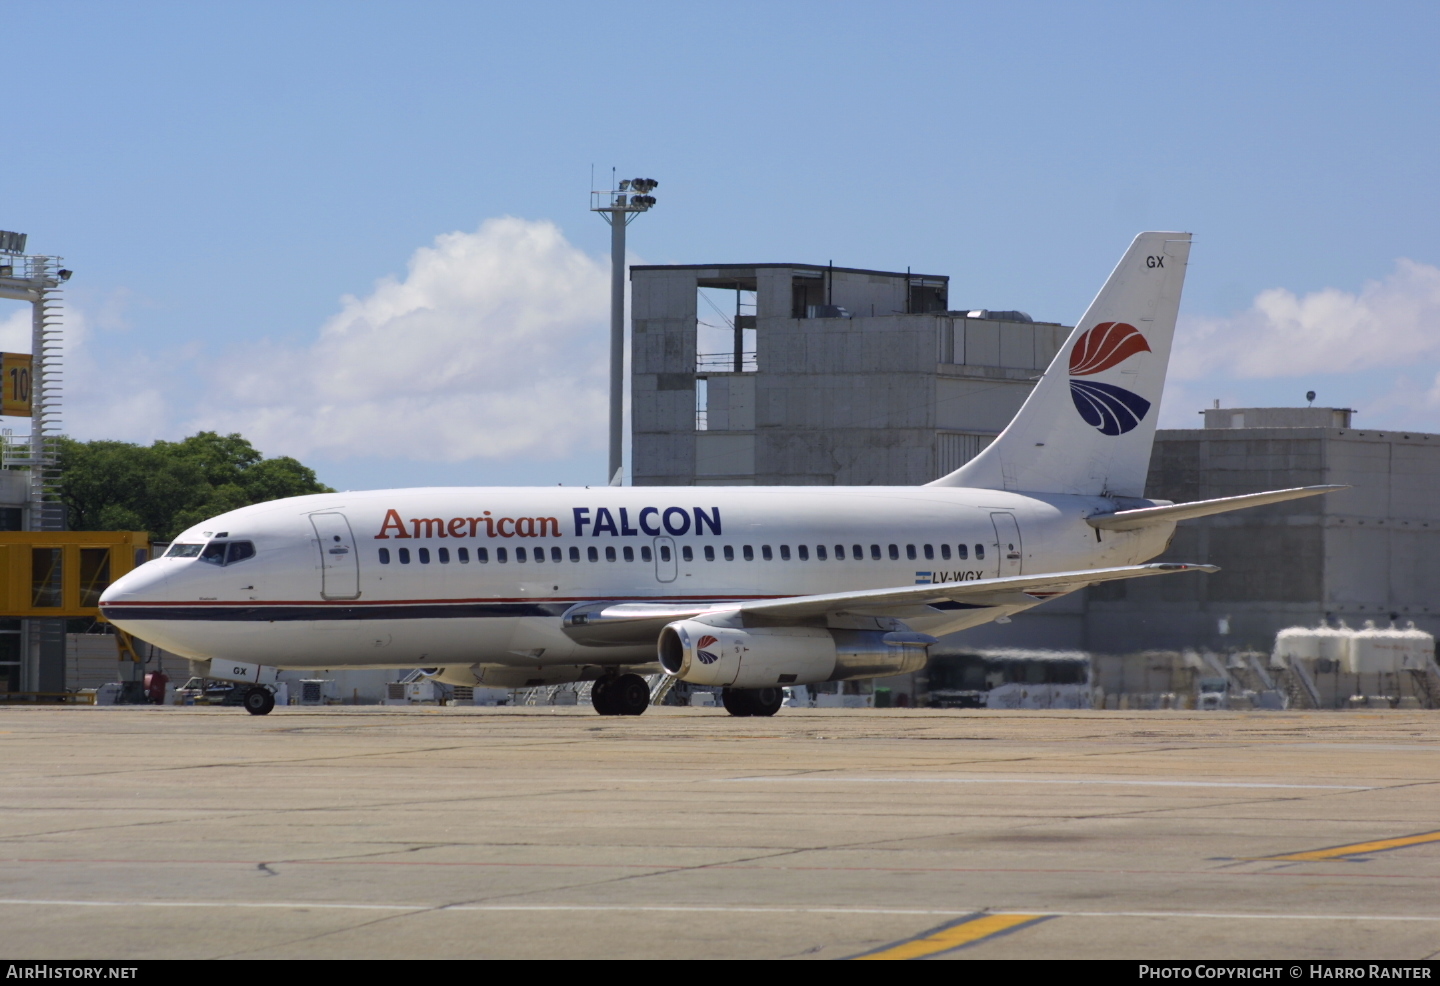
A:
<point x="1132" y="520"/>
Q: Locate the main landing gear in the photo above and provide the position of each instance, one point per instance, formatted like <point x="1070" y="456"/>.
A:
<point x="258" y="700"/>
<point x="627" y="695"/>
<point x="752" y="701"/>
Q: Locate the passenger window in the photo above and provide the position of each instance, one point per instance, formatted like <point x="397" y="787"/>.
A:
<point x="629" y="553"/>
<point x="945" y="551"/>
<point x="645" y="553"/>
<point x="910" y="551"/>
<point x="929" y="552"/>
<point x="384" y="556"/>
<point x="482" y="555"/>
<point x="804" y="551"/>
<point x="749" y="553"/>
<point x="784" y="552"/>
<point x="239" y="551"/>
<point x="856" y="552"/>
<point x="214" y="553"/>
<point x="765" y="552"/>
<point x="875" y="552"/>
<point x="820" y="552"/>
<point x="519" y="555"/>
<point x="500" y="556"/>
<point x="979" y="552"/>
<point x="664" y="552"/>
<point x="709" y="552"/>
<point x="839" y="552"/>
<point x="444" y="555"/>
<point x="424" y="555"/>
<point x="610" y="553"/>
<point x="555" y="554"/>
<point x="404" y="556"/>
<point x="574" y="554"/>
<point x="962" y="552"/>
<point x="462" y="555"/>
<point x="729" y="552"/>
<point x="685" y="553"/>
<point x="539" y="555"/>
<point x="593" y="553"/>
<point x="894" y="552"/>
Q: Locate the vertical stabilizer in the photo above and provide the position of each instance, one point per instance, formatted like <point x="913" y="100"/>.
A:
<point x="1088" y="425"/>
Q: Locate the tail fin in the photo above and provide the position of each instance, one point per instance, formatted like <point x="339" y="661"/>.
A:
<point x="1088" y="425"/>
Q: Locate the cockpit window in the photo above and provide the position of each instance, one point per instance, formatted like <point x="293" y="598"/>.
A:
<point x="178" y="550"/>
<point x="226" y="552"/>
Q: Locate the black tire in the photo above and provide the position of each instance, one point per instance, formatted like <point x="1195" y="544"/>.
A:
<point x="630" y="695"/>
<point x="259" y="701"/>
<point x="736" y="701"/>
<point x="602" y="697"/>
<point x="766" y="701"/>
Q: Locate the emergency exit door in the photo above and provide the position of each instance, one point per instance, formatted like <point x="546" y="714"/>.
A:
<point x="339" y="562"/>
<point x="1008" y="548"/>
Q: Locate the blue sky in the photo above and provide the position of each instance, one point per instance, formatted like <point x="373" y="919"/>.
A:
<point x="222" y="176"/>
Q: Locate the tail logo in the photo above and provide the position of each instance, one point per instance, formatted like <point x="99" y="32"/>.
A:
<point x="705" y="656"/>
<point x="1113" y="410"/>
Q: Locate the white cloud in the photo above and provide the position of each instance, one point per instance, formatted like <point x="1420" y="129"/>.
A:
<point x="493" y="345"/>
<point x="1394" y="322"/>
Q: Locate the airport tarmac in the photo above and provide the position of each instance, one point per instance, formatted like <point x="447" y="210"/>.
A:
<point x="685" y="833"/>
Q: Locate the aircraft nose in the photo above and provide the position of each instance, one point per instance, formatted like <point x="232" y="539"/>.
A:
<point x="149" y="582"/>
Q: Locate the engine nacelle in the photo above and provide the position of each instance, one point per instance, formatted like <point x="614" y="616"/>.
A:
<point x="758" y="657"/>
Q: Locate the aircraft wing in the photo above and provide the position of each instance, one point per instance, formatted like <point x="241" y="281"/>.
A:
<point x="622" y="623"/>
<point x="1015" y="590"/>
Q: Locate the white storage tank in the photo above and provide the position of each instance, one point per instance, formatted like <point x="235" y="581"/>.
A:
<point x="1376" y="650"/>
<point x="1333" y="645"/>
<point x="1418" y="649"/>
<point x="1295" y="644"/>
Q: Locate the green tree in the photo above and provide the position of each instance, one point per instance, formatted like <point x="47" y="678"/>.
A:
<point x="166" y="487"/>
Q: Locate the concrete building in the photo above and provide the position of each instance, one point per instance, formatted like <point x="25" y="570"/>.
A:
<point x="805" y="375"/>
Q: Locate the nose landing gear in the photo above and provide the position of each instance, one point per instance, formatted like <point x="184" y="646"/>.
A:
<point x="627" y="695"/>
<point x="259" y="700"/>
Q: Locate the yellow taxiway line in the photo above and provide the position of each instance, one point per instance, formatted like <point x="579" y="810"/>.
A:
<point x="1356" y="848"/>
<point x="966" y="931"/>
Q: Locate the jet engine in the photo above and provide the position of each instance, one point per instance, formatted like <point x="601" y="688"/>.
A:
<point x="759" y="657"/>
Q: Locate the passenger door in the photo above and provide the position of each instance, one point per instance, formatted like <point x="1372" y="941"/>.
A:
<point x="1008" y="548"/>
<point x="339" y="562"/>
<point x="666" y="567"/>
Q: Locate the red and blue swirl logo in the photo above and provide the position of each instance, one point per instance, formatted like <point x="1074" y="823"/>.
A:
<point x="1113" y="410"/>
<point x="705" y="656"/>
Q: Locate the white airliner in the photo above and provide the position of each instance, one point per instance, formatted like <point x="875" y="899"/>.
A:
<point x="749" y="588"/>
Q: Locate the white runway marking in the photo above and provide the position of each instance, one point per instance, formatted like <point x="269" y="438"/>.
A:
<point x="705" y="909"/>
<point x="810" y="779"/>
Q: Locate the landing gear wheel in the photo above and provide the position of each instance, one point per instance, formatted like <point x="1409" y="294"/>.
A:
<point x="736" y="701"/>
<point x="630" y="694"/>
<point x="258" y="701"/>
<point x="602" y="697"/>
<point x="766" y="701"/>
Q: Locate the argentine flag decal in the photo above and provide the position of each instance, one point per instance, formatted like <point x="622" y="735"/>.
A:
<point x="924" y="578"/>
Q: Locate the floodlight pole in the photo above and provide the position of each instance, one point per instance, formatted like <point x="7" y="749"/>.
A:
<point x="619" y="209"/>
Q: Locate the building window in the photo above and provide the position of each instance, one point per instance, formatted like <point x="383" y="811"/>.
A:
<point x="424" y="554"/>
<point x="404" y="556"/>
<point x="444" y="555"/>
<point x="729" y="552"/>
<point x="685" y="553"/>
<point x="749" y="553"/>
<point x="384" y="556"/>
<point x="765" y="552"/>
